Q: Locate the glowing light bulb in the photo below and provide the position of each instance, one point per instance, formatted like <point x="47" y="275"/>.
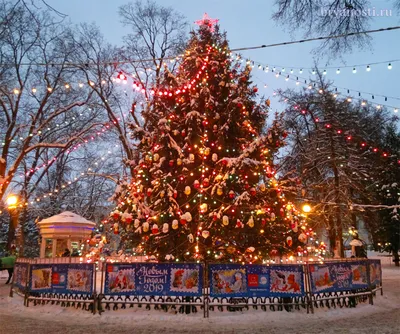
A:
<point x="389" y="66"/>
<point x="338" y="71"/>
<point x="368" y="68"/>
<point x="354" y="70"/>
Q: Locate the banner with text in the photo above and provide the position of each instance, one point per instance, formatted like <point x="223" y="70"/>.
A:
<point x="330" y="277"/>
<point x="153" y="279"/>
<point x="231" y="280"/>
<point x="62" y="278"/>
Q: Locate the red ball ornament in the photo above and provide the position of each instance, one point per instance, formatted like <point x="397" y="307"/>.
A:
<point x="224" y="162"/>
<point x="183" y="221"/>
<point x="196" y="184"/>
<point x="206" y="182"/>
<point x="175" y="195"/>
<point x="116" y="215"/>
<point x="183" y="133"/>
<point x="154" y="229"/>
<point x="285" y="134"/>
<point x="149" y="192"/>
<point x="232" y="194"/>
<point x="255" y="89"/>
<point x="253" y="191"/>
<point x="171" y="163"/>
<point x="263" y="222"/>
<point x="128" y="220"/>
<point x="240" y="105"/>
<point x="239" y="224"/>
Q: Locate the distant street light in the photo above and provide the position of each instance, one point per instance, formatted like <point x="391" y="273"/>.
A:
<point x="12" y="202"/>
<point x="306" y="208"/>
<point x="12" y="205"/>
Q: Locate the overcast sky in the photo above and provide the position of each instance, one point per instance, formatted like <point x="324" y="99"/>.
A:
<point x="248" y="23"/>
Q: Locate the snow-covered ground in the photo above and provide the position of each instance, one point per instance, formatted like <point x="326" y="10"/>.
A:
<point x="382" y="317"/>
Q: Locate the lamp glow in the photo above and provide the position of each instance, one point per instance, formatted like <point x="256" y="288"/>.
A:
<point x="306" y="208"/>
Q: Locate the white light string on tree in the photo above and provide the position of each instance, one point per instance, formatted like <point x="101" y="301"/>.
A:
<point x="66" y="184"/>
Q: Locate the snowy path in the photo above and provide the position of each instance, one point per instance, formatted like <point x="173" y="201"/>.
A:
<point x="383" y="317"/>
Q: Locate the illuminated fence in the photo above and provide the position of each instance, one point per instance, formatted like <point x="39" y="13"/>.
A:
<point x="189" y="287"/>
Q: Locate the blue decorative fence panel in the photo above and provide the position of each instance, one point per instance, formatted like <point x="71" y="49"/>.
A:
<point x="21" y="276"/>
<point x="153" y="279"/>
<point x="343" y="276"/>
<point x="230" y="280"/>
<point x="375" y="272"/>
<point x="62" y="278"/>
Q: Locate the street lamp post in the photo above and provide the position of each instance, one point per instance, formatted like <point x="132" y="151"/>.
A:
<point x="12" y="205"/>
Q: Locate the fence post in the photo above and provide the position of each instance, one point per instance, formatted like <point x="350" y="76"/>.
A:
<point x="370" y="297"/>
<point x="94" y="288"/>
<point x="205" y="291"/>
<point x="309" y="288"/>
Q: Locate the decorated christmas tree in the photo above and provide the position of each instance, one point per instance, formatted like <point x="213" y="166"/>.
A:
<point x="206" y="184"/>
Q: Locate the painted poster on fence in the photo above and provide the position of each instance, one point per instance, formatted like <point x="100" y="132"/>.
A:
<point x="375" y="272"/>
<point x="40" y="280"/>
<point x="62" y="278"/>
<point x="79" y="278"/>
<point x="120" y="279"/>
<point x="21" y="275"/>
<point x="331" y="277"/>
<point x="228" y="280"/>
<point x="359" y="278"/>
<point x="258" y="280"/>
<point x="286" y="281"/>
<point x="154" y="279"/>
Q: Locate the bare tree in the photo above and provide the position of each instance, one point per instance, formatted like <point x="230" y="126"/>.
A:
<point x="329" y="18"/>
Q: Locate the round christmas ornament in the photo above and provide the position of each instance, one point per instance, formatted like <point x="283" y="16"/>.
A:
<point x="253" y="191"/>
<point x="273" y="216"/>
<point x="231" y="194"/>
<point x="165" y="228"/>
<point x="156" y="157"/>
<point x="302" y="238"/>
<point x="149" y="192"/>
<point x="205" y="234"/>
<point x="179" y="161"/>
<point x="154" y="229"/>
<point x="289" y="241"/>
<point x="145" y="227"/>
<point x="175" y="195"/>
<point x="214" y="157"/>
<point x="171" y="163"/>
<point x="116" y="214"/>
<point x="239" y="224"/>
<point x="128" y="219"/>
<point x="220" y="191"/>
<point x="255" y="89"/>
<point x="196" y="184"/>
<point x="187" y="190"/>
<point x="207" y="151"/>
<point x="175" y="224"/>
<point x="183" y="133"/>
<point x="225" y="220"/>
<point x="206" y="182"/>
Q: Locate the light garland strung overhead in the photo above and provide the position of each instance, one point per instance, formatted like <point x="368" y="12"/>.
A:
<point x="363" y="101"/>
<point x="367" y="67"/>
